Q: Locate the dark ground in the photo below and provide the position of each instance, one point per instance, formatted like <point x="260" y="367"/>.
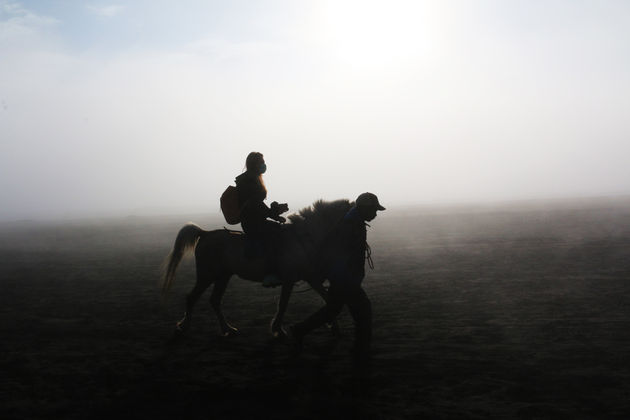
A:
<point x="511" y="312"/>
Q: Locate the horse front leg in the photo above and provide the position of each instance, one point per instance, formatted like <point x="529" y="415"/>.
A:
<point x="276" y="323"/>
<point x="318" y="286"/>
<point x="215" y="301"/>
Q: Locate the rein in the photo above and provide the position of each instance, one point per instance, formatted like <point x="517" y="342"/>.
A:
<point x="368" y="252"/>
<point x="368" y="257"/>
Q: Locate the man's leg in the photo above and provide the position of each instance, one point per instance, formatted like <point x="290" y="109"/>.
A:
<point x="361" y="311"/>
<point x="326" y="314"/>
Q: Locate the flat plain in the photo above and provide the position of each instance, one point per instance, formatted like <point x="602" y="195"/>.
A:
<point x="517" y="310"/>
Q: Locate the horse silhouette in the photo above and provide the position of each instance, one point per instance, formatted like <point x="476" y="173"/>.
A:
<point x="220" y="254"/>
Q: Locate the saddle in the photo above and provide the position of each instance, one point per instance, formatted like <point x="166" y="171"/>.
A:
<point x="253" y="248"/>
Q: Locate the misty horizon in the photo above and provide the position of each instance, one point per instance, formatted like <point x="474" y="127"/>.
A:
<point x="214" y="216"/>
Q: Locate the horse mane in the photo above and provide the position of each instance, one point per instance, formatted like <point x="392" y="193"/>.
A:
<point x="318" y="219"/>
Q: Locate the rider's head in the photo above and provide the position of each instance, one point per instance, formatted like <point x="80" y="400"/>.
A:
<point x="255" y="163"/>
<point x="367" y="204"/>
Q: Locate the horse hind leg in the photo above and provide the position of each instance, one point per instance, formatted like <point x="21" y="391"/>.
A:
<point x="218" y="290"/>
<point x="200" y="286"/>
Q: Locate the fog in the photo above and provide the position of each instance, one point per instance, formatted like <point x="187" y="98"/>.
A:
<point x="153" y="107"/>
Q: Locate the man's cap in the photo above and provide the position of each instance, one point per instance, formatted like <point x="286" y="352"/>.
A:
<point x="368" y="200"/>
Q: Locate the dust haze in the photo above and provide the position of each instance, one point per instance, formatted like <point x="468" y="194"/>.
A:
<point x="490" y="312"/>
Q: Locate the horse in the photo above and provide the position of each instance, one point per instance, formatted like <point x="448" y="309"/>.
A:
<point x="220" y="254"/>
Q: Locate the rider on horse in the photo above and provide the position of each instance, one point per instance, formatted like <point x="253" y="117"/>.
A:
<point x="255" y="213"/>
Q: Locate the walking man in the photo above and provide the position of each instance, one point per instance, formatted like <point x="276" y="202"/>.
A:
<point x="342" y="262"/>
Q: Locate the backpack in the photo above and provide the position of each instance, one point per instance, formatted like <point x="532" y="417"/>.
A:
<point x="230" y="206"/>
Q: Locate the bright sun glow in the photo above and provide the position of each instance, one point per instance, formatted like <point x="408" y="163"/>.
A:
<point x="370" y="33"/>
<point x="153" y="106"/>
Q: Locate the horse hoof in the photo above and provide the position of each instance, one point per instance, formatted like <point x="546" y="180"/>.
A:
<point x="279" y="334"/>
<point x="230" y="332"/>
<point x="183" y="324"/>
<point x="277" y="331"/>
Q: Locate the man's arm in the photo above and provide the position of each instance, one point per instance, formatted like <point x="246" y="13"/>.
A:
<point x="356" y="250"/>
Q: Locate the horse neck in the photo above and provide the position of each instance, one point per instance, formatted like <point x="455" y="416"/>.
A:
<point x="319" y="221"/>
<point x="316" y="234"/>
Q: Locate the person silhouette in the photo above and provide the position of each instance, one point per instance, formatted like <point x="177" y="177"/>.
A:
<point x="255" y="214"/>
<point x="342" y="262"/>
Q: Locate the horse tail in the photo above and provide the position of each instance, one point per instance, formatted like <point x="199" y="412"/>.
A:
<point x="185" y="242"/>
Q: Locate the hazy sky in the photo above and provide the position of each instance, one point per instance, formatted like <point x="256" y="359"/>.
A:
<point x="125" y="108"/>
